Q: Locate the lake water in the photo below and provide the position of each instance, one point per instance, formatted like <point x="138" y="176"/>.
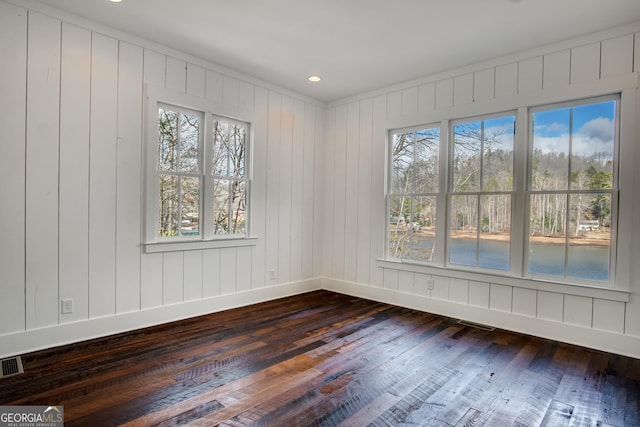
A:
<point x="584" y="261"/>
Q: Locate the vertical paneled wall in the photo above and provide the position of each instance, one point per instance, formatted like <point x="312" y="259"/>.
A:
<point x="72" y="183"/>
<point x="72" y="186"/>
<point x="75" y="118"/>
<point x="354" y="218"/>
<point x="13" y="84"/>
<point x="41" y="170"/>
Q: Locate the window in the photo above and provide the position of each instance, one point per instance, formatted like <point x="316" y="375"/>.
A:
<point x="228" y="174"/>
<point x="481" y="192"/>
<point x="178" y="171"/>
<point x="414" y="190"/>
<point x="198" y="177"/>
<point x="563" y="212"/>
<point x="571" y="190"/>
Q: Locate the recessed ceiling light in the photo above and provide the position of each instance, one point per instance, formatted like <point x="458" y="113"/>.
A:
<point x="115" y="1"/>
<point x="314" y="78"/>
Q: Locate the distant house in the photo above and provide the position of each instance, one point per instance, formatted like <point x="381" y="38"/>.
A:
<point x="590" y="225"/>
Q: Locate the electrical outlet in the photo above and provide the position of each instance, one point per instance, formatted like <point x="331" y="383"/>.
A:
<point x="272" y="275"/>
<point x="430" y="284"/>
<point x="66" y="306"/>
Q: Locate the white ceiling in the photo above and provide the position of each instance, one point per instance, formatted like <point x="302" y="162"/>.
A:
<point x="355" y="45"/>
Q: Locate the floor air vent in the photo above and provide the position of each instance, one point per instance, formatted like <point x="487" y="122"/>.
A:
<point x="11" y="366"/>
<point x="476" y="325"/>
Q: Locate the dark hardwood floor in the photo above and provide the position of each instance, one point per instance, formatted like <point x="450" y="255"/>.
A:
<point x="328" y="359"/>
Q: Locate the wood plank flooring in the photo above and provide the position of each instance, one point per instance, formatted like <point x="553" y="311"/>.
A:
<point x="328" y="359"/>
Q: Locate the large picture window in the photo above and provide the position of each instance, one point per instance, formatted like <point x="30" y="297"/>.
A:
<point x="555" y="187"/>
<point x="198" y="176"/>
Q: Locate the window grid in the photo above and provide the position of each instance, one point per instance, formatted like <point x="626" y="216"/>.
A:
<point x="589" y="195"/>
<point x="580" y="230"/>
<point x="412" y="206"/>
<point x="228" y="177"/>
<point x="179" y="171"/>
<point x="481" y="192"/>
<point x="188" y="183"/>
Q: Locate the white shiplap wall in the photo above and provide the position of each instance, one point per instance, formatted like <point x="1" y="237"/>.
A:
<point x="72" y="186"/>
<point x="354" y="177"/>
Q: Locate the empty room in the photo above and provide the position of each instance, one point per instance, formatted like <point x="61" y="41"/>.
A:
<point x="291" y="213"/>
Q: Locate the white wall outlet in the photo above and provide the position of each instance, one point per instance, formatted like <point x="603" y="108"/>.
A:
<point x="430" y="284"/>
<point x="272" y="275"/>
<point x="66" y="306"/>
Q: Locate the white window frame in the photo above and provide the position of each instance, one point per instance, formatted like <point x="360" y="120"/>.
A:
<point x="209" y="111"/>
<point x="153" y="184"/>
<point x="617" y="288"/>
<point x="513" y="267"/>
<point x="614" y="191"/>
<point x="439" y="194"/>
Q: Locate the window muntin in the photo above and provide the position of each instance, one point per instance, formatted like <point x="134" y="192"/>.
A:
<point x="482" y="175"/>
<point x="201" y="177"/>
<point x="412" y="205"/>
<point x="572" y="186"/>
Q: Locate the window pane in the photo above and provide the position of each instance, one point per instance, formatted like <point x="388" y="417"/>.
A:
<point x="467" y="145"/>
<point x="229" y="149"/>
<point x="169" y="206"/>
<point x="189" y="140"/>
<point x="402" y="162"/>
<point x="190" y="206"/>
<point x="463" y="233"/>
<point x="427" y="150"/>
<point x="167" y="140"/>
<point x="237" y="151"/>
<point x="497" y="154"/>
<point x="399" y="208"/>
<point x="238" y="204"/>
<point x="548" y="215"/>
<point x="547" y="234"/>
<point x="221" y="188"/>
<point x="220" y="162"/>
<point x="589" y="236"/>
<point x="550" y="162"/>
<point x="592" y="146"/>
<point x="495" y="231"/>
<point x="412" y="228"/>
<point x="422" y="228"/>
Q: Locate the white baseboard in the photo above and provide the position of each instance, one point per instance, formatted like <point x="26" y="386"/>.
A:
<point x="626" y="345"/>
<point x="38" y="339"/>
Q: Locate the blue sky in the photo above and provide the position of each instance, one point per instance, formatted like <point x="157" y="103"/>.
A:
<point x="593" y="129"/>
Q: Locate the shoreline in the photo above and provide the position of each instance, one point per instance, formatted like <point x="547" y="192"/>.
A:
<point x="547" y="240"/>
<point x="587" y="240"/>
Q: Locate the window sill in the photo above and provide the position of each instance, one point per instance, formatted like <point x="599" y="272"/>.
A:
<point x="232" y="242"/>
<point x="537" y="284"/>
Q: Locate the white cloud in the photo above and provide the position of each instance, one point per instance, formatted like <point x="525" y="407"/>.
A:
<point x="556" y="127"/>
<point x="595" y="136"/>
<point x="548" y="144"/>
<point x="599" y="128"/>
